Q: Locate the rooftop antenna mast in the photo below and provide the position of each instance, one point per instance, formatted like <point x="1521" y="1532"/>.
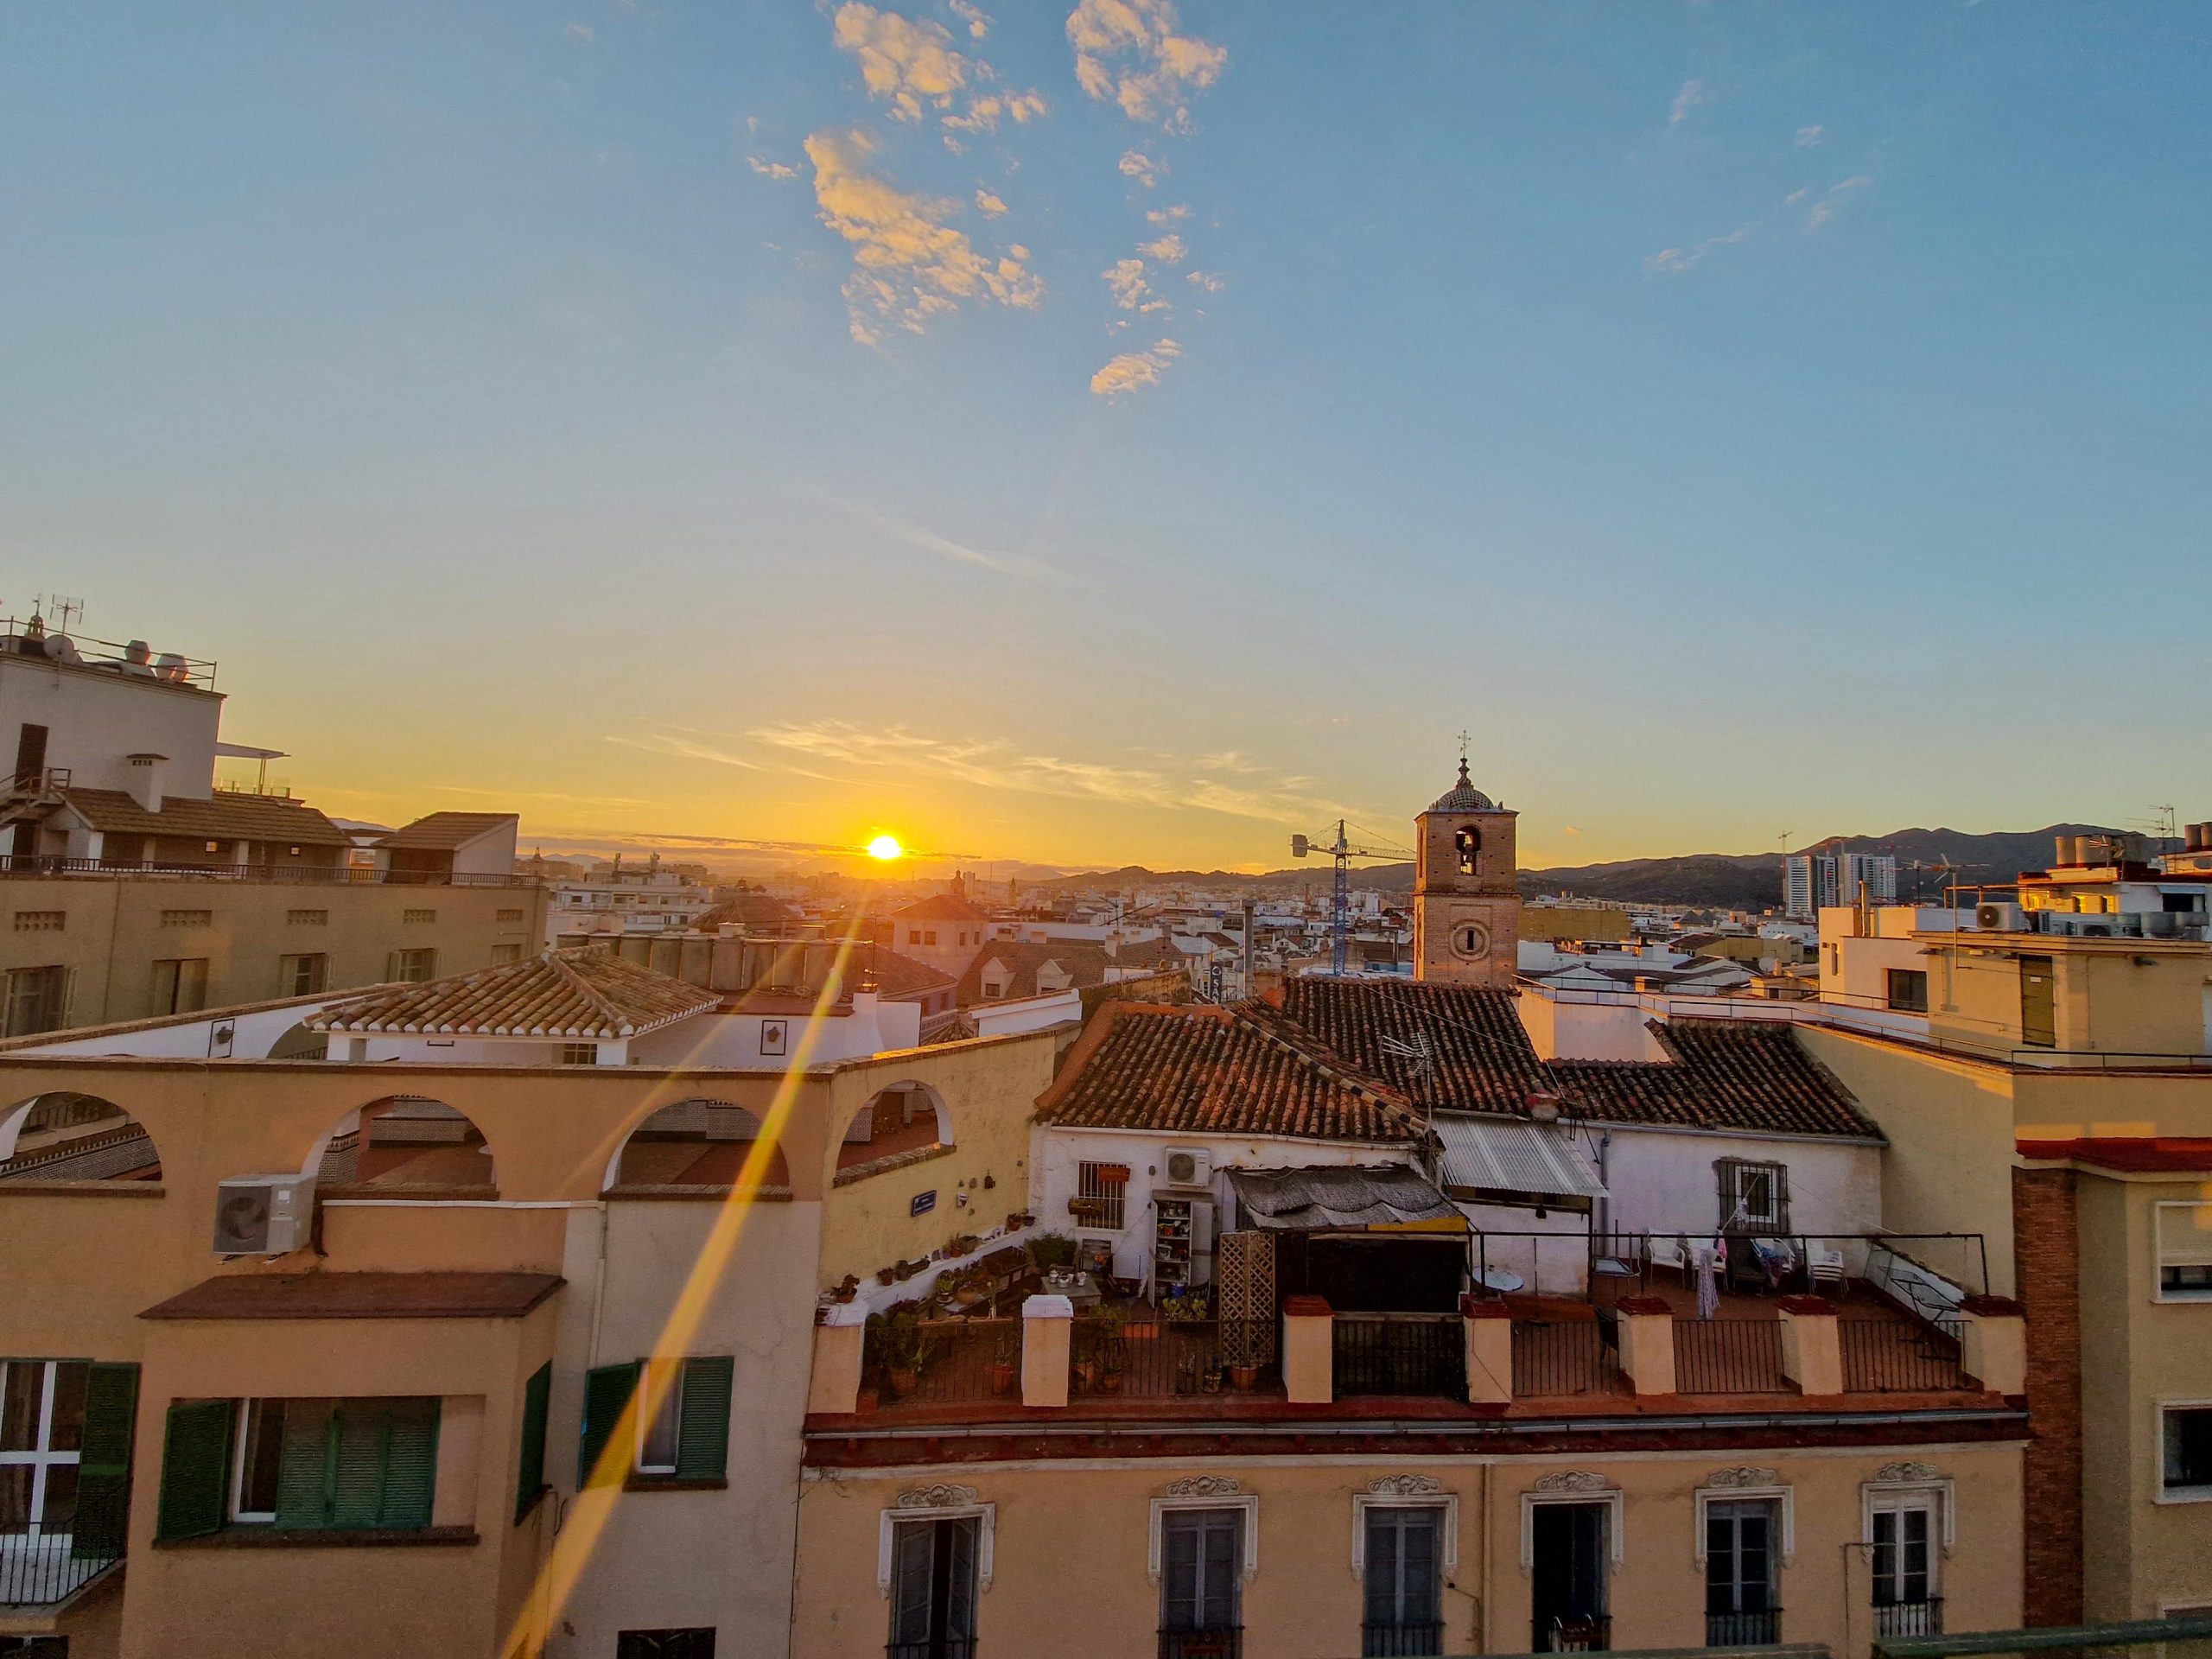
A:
<point x="61" y="612"/>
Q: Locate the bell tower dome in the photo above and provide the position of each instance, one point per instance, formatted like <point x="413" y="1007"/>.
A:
<point x="1467" y="902"/>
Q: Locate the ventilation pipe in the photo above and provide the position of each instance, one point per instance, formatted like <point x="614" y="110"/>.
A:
<point x="145" y="779"/>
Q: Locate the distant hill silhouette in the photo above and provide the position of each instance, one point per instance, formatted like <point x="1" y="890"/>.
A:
<point x="1709" y="880"/>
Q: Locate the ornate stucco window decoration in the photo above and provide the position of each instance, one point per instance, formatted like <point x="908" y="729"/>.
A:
<point x="1406" y="1492"/>
<point x="1729" y="1485"/>
<point x="940" y="1502"/>
<point x="1205" y="1492"/>
<point x="1898" y="1485"/>
<point x="1571" y="1487"/>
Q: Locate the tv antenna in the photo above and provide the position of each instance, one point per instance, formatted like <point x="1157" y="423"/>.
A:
<point x="61" y="612"/>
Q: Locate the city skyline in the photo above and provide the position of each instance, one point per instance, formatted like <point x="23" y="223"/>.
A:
<point x="639" y="415"/>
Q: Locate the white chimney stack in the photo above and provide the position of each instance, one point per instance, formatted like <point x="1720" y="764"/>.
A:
<point x="146" y="780"/>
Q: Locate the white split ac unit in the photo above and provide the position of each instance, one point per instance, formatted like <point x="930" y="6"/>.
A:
<point x="262" y="1215"/>
<point x="1189" y="1166"/>
<point x="2000" y="918"/>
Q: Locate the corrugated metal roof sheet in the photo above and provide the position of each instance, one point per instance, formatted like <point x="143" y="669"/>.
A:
<point x="1493" y="1156"/>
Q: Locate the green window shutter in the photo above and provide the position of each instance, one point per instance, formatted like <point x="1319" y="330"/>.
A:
<point x="357" y="1483"/>
<point x="303" y="1467"/>
<point x="702" y="1431"/>
<point x="410" y="1468"/>
<point x="104" y="1461"/>
<point x="530" y="1468"/>
<point x="196" y="1468"/>
<point x="607" y="1391"/>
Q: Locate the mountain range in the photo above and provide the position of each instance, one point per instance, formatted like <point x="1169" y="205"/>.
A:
<point x="1927" y="860"/>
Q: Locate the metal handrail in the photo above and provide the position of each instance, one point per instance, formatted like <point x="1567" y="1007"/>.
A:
<point x="36" y="865"/>
<point x="40" y="1571"/>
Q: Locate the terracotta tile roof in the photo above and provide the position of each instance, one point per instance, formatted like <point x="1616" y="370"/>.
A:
<point x="1726" y="1074"/>
<point x="583" y="994"/>
<point x="1214" y="1070"/>
<point x="1479" y="1059"/>
<point x="941" y="907"/>
<point x="898" y="978"/>
<point x="1146" y="953"/>
<point x="1084" y="961"/>
<point x="2129" y="1154"/>
<point x="223" y="817"/>
<point x="442" y="831"/>
<point x="360" y="1296"/>
<point x="756" y="913"/>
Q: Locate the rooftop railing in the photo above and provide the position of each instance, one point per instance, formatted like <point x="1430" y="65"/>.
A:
<point x="44" y="866"/>
<point x="134" y="659"/>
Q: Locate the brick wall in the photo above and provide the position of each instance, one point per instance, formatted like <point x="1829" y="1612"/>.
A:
<point x="2047" y="1272"/>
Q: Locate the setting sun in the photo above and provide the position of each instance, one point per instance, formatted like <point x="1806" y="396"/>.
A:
<point x="885" y="848"/>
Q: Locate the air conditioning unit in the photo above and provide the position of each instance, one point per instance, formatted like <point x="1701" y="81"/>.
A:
<point x="2000" y="918"/>
<point x="262" y="1215"/>
<point x="1189" y="1166"/>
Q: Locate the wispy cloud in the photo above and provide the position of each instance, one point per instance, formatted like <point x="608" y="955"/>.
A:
<point x="768" y="170"/>
<point x="1129" y="51"/>
<point x="1829" y="204"/>
<point x="909" y="264"/>
<point x="1169" y="250"/>
<point x="582" y="33"/>
<point x="1230" y="784"/>
<point x="913" y="66"/>
<point x="1810" y="138"/>
<point x="1206" y="282"/>
<point x="991" y="207"/>
<point x="1167" y="215"/>
<point x="1673" y="261"/>
<point x="978" y="21"/>
<point x="1133" y="370"/>
<point x="1692" y="94"/>
<point x="1136" y="164"/>
<point x="686" y="748"/>
<point x="928" y="541"/>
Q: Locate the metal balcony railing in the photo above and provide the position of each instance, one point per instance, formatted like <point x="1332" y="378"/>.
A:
<point x="1400" y="1640"/>
<point x="46" y="865"/>
<point x="1908" y="1617"/>
<point x="1590" y="1634"/>
<point x="1215" y="1641"/>
<point x="52" y="1566"/>
<point x="1762" y="1628"/>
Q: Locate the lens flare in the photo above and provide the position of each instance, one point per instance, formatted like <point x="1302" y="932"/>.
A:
<point x="885" y="848"/>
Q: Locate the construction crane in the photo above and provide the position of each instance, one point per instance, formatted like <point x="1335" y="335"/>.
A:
<point x="1343" y="852"/>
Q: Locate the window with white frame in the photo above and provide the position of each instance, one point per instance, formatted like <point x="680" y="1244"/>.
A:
<point x="2185" y="1439"/>
<point x="1102" y="1193"/>
<point x="1201" y="1577"/>
<point x="933" y="1587"/>
<point x="2184" y="1238"/>
<point x="42" y="1435"/>
<point x="1903" y="1529"/>
<point x="1401" y="1565"/>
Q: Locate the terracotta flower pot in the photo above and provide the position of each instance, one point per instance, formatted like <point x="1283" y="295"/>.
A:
<point x="903" y="1382"/>
<point x="1002" y="1377"/>
<point x="1243" y="1378"/>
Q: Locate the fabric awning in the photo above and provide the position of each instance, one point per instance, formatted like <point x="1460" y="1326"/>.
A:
<point x="1365" y="1198"/>
<point x="1500" y="1156"/>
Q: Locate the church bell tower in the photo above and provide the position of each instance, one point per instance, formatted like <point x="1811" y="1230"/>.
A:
<point x="1466" y="905"/>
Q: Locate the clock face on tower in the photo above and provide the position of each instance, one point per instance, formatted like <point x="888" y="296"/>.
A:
<point x="1471" y="939"/>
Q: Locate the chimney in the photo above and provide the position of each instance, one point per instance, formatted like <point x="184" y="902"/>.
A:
<point x="145" y="779"/>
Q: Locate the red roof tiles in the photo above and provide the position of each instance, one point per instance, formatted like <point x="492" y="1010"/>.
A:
<point x="585" y="993"/>
<point x="1726" y="1074"/>
<point x="2129" y="1154"/>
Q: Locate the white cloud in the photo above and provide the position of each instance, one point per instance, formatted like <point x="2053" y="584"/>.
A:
<point x="1810" y="137"/>
<point x="928" y="541"/>
<point x="1129" y="50"/>
<point x="909" y="265"/>
<point x="1795" y="197"/>
<point x="1147" y="172"/>
<point x="1132" y="371"/>
<point x="1167" y="215"/>
<point x="1169" y="250"/>
<point x="583" y="33"/>
<point x="992" y="206"/>
<point x="984" y="113"/>
<point x="1826" y="207"/>
<point x="1690" y="97"/>
<point x="1673" y="261"/>
<point x="979" y="23"/>
<point x="768" y="170"/>
<point x="1206" y="281"/>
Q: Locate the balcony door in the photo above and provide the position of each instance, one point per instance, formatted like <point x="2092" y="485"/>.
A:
<point x="933" y="1589"/>
<point x="1906" y="1600"/>
<point x="1403" y="1572"/>
<point x="1201" y="1584"/>
<point x="1567" y="1577"/>
<point x="1742" y="1607"/>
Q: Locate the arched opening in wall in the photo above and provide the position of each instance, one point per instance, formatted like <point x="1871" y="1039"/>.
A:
<point x="66" y="1136"/>
<point x="405" y="1141"/>
<point x="301" y="1044"/>
<point x="693" y="1144"/>
<point x="1467" y="842"/>
<point x="899" y="1118"/>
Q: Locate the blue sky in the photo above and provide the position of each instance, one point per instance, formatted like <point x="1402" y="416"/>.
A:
<point x="1742" y="419"/>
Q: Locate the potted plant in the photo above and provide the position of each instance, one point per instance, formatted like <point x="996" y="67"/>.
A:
<point x="1244" y="1376"/>
<point x="904" y="1348"/>
<point x="847" y="1287"/>
<point x="1113" y="1361"/>
<point x="1209" y="1378"/>
<point x="1049" y="1251"/>
<point x="1005" y="1356"/>
<point x="885" y="1275"/>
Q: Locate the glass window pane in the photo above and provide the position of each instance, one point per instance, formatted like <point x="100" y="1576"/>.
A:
<point x="21" y="1394"/>
<point x="659" y="1451"/>
<point x="60" y="1508"/>
<point x="15" y="1497"/>
<point x="262" y="1457"/>
<point x="66" y="1430"/>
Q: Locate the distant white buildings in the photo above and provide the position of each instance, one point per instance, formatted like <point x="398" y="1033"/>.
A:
<point x="1813" y="881"/>
<point x="619" y="901"/>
